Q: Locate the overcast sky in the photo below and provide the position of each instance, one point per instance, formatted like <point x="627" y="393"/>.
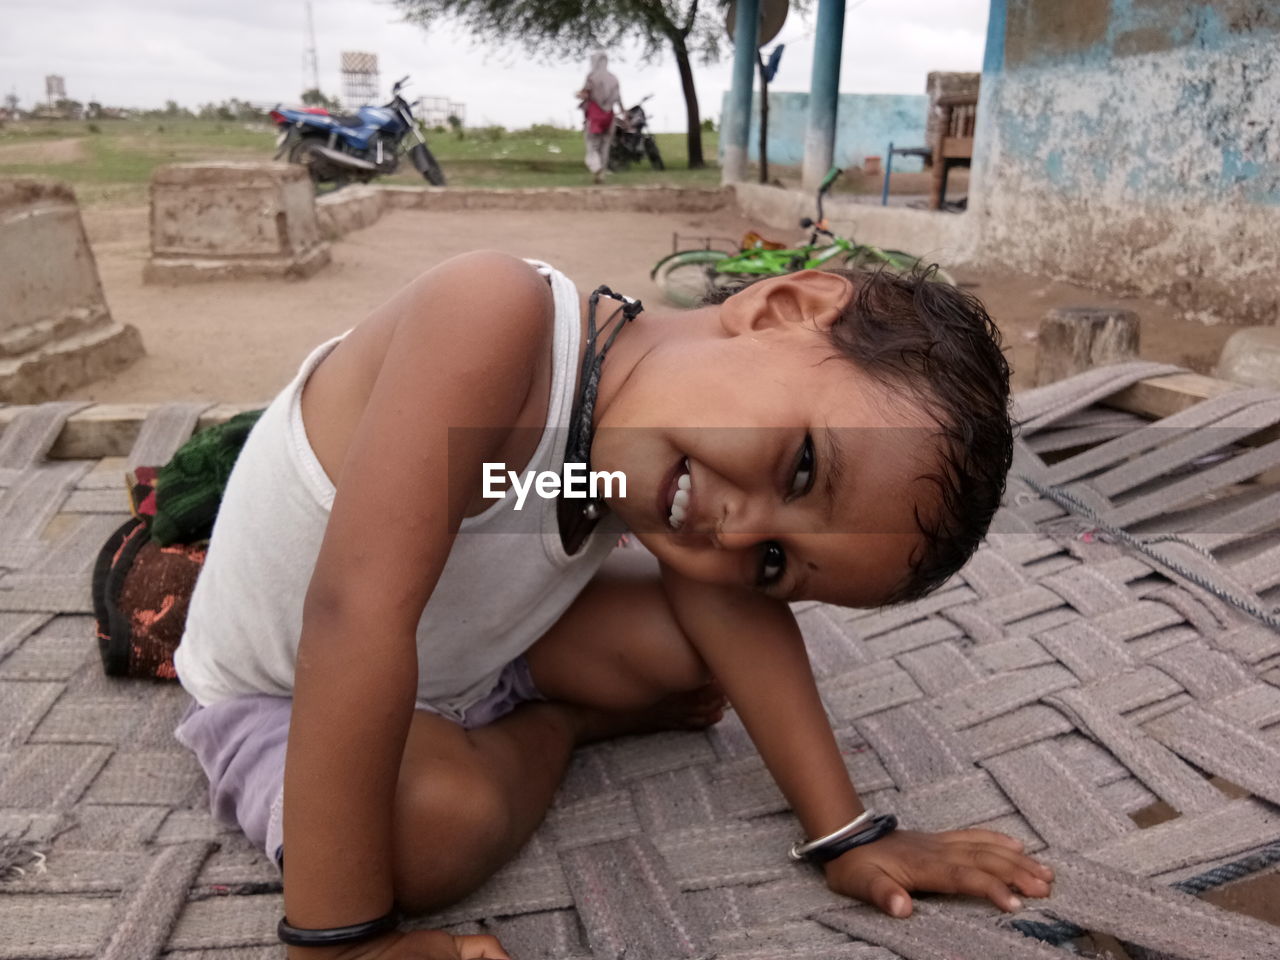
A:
<point x="144" y="52"/>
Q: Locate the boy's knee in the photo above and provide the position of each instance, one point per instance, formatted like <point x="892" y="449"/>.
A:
<point x="681" y="668"/>
<point x="446" y="823"/>
<point x="452" y="802"/>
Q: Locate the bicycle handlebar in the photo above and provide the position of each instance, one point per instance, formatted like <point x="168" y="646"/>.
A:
<point x="823" y="187"/>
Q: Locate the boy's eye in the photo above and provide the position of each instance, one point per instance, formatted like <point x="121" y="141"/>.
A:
<point x="773" y="564"/>
<point x="803" y="478"/>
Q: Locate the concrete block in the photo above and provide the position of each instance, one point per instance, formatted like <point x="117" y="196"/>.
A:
<point x="56" y="332"/>
<point x="946" y="238"/>
<point x="1252" y="356"/>
<point x="351" y="208"/>
<point x="212" y="221"/>
<point x="1075" y="339"/>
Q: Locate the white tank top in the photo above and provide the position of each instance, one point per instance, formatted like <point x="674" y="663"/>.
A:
<point x="507" y="579"/>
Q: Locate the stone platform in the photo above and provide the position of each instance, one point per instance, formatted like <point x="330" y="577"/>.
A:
<point x="56" y="331"/>
<point x="212" y="221"/>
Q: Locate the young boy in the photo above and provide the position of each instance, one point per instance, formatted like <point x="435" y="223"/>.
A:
<point x="826" y="436"/>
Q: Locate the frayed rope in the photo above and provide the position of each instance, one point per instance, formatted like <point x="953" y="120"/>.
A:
<point x="18" y="857"/>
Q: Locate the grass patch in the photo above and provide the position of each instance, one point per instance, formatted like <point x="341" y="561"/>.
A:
<point x="115" y="164"/>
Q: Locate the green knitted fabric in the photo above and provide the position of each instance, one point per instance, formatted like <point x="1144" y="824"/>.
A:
<point x="189" y="487"/>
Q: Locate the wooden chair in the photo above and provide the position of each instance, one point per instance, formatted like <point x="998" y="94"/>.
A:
<point x="953" y="141"/>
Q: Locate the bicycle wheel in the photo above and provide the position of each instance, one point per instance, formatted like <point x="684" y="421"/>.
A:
<point x="688" y="278"/>
<point x="867" y="257"/>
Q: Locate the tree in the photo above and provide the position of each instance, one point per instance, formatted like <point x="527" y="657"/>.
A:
<point x="71" y="109"/>
<point x="316" y="98"/>
<point x="574" y="27"/>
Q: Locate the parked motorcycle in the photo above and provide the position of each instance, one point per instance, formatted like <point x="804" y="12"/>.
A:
<point x="632" y="141"/>
<point x="341" y="148"/>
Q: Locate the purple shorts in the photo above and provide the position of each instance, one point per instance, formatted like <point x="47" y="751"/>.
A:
<point x="240" y="743"/>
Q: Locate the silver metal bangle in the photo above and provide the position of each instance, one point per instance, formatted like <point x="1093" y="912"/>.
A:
<point x="802" y="848"/>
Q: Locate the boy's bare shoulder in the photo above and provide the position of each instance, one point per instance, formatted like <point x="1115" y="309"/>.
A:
<point x="482" y="322"/>
<point x="487" y="290"/>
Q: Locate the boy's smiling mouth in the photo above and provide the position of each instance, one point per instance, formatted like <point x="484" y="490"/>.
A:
<point x="677" y="495"/>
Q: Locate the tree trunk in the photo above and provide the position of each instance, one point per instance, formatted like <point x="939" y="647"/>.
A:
<point x="690" y="102"/>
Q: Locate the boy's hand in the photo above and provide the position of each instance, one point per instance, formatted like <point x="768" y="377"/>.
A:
<point x="413" y="945"/>
<point x="980" y="863"/>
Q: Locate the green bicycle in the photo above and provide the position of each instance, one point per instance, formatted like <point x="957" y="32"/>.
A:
<point x="689" y="277"/>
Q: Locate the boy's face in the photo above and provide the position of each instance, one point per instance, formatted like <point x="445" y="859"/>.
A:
<point x="802" y="471"/>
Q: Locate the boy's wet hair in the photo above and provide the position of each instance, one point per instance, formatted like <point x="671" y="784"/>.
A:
<point x="912" y="331"/>
<point x="937" y="341"/>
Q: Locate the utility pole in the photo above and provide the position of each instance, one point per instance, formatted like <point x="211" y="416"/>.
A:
<point x="310" y="61"/>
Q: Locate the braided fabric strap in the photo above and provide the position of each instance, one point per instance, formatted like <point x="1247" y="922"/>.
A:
<point x="336" y="936"/>
<point x="823" y="851"/>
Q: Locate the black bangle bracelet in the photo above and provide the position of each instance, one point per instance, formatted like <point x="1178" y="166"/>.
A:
<point x="336" y="936"/>
<point x="881" y="826"/>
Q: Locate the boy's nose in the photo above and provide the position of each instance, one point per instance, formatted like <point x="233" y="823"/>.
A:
<point x="744" y="522"/>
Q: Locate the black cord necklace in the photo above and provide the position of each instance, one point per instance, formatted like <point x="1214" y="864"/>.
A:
<point x="577" y="521"/>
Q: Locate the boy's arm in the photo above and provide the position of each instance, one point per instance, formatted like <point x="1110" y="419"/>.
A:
<point x="458" y="357"/>
<point x="753" y="647"/>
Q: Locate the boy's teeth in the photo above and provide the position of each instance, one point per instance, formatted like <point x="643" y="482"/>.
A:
<point x="680" y="503"/>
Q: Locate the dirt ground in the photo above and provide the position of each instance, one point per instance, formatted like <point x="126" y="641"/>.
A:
<point x="240" y="341"/>
<point x="65" y="150"/>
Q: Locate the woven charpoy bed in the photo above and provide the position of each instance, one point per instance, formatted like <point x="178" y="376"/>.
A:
<point x="1114" y="644"/>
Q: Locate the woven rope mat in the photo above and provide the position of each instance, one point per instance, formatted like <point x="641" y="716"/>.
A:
<point x="1111" y="646"/>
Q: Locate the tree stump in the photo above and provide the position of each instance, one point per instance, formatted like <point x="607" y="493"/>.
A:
<point x="1075" y="339"/>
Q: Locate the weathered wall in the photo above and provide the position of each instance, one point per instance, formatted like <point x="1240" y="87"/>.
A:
<point x="866" y="123"/>
<point x="1135" y="144"/>
<point x="945" y="238"/>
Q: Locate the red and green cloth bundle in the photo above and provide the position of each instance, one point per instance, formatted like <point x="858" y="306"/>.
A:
<point x="147" y="569"/>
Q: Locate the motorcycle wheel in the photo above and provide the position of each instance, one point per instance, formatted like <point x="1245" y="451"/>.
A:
<point x="651" y="151"/>
<point x="426" y="164"/>
<point x="618" y="157"/>
<point x="305" y="154"/>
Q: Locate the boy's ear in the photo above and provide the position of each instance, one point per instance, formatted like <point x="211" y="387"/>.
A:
<point x="811" y="298"/>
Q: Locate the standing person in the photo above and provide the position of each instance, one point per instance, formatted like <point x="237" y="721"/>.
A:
<point x="599" y="97"/>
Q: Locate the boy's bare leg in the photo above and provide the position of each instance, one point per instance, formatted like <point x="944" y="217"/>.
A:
<point x="614" y="664"/>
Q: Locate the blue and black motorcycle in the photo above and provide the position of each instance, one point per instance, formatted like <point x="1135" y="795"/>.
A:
<point x="338" y="149"/>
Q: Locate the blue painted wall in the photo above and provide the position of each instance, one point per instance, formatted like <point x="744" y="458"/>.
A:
<point x="1136" y="144"/>
<point x="866" y="124"/>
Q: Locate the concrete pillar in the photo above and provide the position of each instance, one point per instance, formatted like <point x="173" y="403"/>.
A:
<point x="218" y="220"/>
<point x="824" y="93"/>
<point x="56" y="332"/>
<point x="735" y="126"/>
